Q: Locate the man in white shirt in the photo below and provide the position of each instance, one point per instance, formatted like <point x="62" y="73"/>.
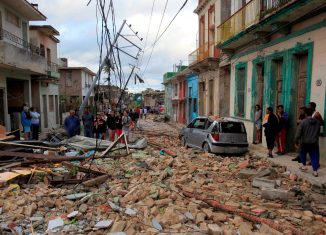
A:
<point x="35" y="123"/>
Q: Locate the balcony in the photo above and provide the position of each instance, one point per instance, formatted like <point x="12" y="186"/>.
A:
<point x="207" y="50"/>
<point x="53" y="70"/>
<point x="254" y="12"/>
<point x="18" y="53"/>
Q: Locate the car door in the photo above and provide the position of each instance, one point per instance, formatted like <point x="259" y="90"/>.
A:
<point x="198" y="132"/>
<point x="188" y="132"/>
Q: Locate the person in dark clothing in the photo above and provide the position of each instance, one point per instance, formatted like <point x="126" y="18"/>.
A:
<point x="72" y="124"/>
<point x="283" y="126"/>
<point x="110" y="121"/>
<point x="88" y="122"/>
<point x="307" y="135"/>
<point x="118" y="125"/>
<point x="100" y="127"/>
<point x="302" y="115"/>
<point x="271" y="129"/>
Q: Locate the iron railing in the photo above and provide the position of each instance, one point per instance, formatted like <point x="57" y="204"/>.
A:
<point x="53" y="67"/>
<point x="247" y="16"/>
<point x="204" y="51"/>
<point x="19" y="42"/>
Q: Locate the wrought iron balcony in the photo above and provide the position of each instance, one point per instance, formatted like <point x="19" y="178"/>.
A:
<point x="207" y="50"/>
<point x="247" y="16"/>
<point x="19" y="42"/>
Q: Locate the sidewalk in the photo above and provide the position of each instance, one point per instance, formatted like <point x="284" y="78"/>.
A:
<point x="292" y="166"/>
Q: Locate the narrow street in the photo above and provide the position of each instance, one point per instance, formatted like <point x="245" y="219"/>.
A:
<point x="167" y="189"/>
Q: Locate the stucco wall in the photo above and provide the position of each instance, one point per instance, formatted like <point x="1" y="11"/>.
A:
<point x="317" y="93"/>
<point x="38" y="38"/>
<point x="51" y="89"/>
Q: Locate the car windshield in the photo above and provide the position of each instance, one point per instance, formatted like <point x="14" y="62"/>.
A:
<point x="232" y="127"/>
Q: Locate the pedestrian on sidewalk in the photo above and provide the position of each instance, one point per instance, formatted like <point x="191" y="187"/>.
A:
<point x="258" y="123"/>
<point x="72" y="124"/>
<point x="118" y="125"/>
<point x="316" y="114"/>
<point x="26" y="121"/>
<point x="35" y="123"/>
<point x="283" y="126"/>
<point x="88" y="122"/>
<point x="110" y="121"/>
<point x="302" y="115"/>
<point x="307" y="135"/>
<point x="271" y="129"/>
<point x="126" y="122"/>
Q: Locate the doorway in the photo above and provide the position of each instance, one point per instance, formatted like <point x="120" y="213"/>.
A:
<point x="45" y="110"/>
<point x="211" y="97"/>
<point x="258" y="96"/>
<point x="2" y="107"/>
<point x="277" y="66"/>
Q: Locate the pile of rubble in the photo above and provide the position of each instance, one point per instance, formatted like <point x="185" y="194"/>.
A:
<point x="163" y="188"/>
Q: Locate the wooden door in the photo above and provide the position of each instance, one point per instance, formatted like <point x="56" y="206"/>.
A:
<point x="301" y="82"/>
<point x="259" y="90"/>
<point x="2" y="107"/>
<point x="278" y="83"/>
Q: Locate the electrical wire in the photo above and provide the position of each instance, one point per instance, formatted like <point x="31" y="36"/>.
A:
<point x="166" y="28"/>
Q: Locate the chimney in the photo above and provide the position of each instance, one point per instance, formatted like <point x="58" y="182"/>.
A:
<point x="35" y="5"/>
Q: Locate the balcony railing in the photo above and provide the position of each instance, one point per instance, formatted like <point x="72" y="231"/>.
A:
<point x="19" y="42"/>
<point x="53" y="67"/>
<point x="247" y="16"/>
<point x="205" y="51"/>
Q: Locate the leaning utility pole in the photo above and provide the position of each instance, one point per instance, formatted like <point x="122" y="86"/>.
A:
<point x="82" y="106"/>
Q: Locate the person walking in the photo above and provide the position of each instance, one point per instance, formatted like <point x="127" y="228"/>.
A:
<point x="307" y="135"/>
<point x="283" y="126"/>
<point x="126" y="122"/>
<point x="302" y="115"/>
<point x="35" y="123"/>
<point x="258" y="123"/>
<point x="118" y="125"/>
<point x="271" y="125"/>
<point x="88" y="122"/>
<point x="26" y="121"/>
<point x="72" y="124"/>
<point x="316" y="114"/>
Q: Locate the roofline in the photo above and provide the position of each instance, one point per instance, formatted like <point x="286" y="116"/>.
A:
<point x="56" y="32"/>
<point x="35" y="9"/>
<point x="79" y="68"/>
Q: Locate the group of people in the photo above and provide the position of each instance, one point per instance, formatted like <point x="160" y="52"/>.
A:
<point x="30" y="120"/>
<point x="113" y="123"/>
<point x="306" y="137"/>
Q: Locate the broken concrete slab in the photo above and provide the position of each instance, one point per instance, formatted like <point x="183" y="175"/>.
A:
<point x="263" y="183"/>
<point x="274" y="194"/>
<point x="104" y="224"/>
<point x="214" y="229"/>
<point x="55" y="224"/>
<point x="247" y="173"/>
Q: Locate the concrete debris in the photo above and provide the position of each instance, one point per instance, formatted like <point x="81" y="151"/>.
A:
<point x="145" y="191"/>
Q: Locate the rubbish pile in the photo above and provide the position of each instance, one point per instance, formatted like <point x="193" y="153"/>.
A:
<point x="152" y="187"/>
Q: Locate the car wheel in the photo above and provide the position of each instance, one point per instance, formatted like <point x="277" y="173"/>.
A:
<point x="183" y="141"/>
<point x="206" y="148"/>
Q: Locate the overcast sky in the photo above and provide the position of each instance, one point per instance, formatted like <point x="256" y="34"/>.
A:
<point x="76" y="23"/>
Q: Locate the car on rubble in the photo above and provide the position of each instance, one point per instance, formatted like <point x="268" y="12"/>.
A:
<point x="222" y="136"/>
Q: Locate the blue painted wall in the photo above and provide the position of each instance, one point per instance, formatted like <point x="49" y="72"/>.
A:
<point x="192" y="96"/>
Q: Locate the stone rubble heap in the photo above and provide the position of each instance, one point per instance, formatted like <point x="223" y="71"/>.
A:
<point x="144" y="195"/>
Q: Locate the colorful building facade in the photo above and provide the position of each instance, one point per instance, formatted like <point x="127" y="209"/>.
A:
<point x="192" y="96"/>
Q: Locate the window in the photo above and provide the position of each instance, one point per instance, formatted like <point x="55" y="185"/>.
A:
<point x="200" y="123"/>
<point x="190" y="92"/>
<point x="42" y="48"/>
<point x="195" y="105"/>
<point x="240" y="92"/>
<point x="51" y="103"/>
<point x="232" y="127"/>
<point x="12" y="18"/>
<point x="69" y="78"/>
<point x="175" y="89"/>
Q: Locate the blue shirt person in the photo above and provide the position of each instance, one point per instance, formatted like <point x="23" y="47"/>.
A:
<point x="72" y="124"/>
